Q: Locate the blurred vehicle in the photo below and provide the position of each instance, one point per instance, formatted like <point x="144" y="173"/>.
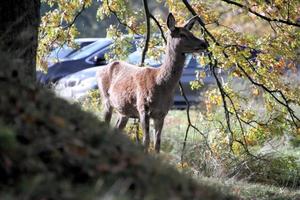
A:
<point x="63" y="51"/>
<point x="89" y="56"/>
<point x="78" y="85"/>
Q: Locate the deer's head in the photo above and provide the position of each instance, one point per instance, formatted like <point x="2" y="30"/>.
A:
<point x="181" y="39"/>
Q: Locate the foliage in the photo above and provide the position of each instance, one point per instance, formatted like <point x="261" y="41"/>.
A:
<point x="273" y="169"/>
<point x="91" y="103"/>
<point x="252" y="191"/>
<point x="296" y="141"/>
<point x="280" y="171"/>
<point x="134" y="131"/>
<point x="57" y="26"/>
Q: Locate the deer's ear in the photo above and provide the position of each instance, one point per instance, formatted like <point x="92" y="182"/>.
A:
<point x="171" y="22"/>
<point x="189" y="25"/>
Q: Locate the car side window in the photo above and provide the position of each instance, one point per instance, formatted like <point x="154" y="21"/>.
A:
<point x="98" y="57"/>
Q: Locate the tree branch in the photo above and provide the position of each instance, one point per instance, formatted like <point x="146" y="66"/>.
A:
<point x="147" y="18"/>
<point x="224" y="95"/>
<point x="285" y="102"/>
<point x="287" y="22"/>
<point x="159" y="27"/>
<point x="68" y="26"/>
<point x="119" y="20"/>
<point x="190" y="125"/>
<point x="193" y="12"/>
<point x="76" y="17"/>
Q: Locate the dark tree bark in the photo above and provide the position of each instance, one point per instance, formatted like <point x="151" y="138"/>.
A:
<point x="19" y="22"/>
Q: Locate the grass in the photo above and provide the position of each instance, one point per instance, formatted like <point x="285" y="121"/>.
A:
<point x="172" y="139"/>
<point x="252" y="191"/>
<point x="172" y="142"/>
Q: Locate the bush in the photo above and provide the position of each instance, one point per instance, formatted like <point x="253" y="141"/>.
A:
<point x="295" y="141"/>
<point x="279" y="165"/>
<point x="279" y="171"/>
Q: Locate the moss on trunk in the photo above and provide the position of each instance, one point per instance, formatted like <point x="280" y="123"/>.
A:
<point x="19" y="22"/>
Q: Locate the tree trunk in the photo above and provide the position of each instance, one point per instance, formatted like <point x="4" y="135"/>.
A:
<point x="19" y="22"/>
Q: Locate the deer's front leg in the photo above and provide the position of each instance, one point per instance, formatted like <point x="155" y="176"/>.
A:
<point x="144" y="120"/>
<point x="158" y="125"/>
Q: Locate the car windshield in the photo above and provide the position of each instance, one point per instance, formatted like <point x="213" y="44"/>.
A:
<point x="61" y="52"/>
<point x="90" y="49"/>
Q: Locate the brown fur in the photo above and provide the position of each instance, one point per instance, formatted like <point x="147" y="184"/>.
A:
<point x="147" y="92"/>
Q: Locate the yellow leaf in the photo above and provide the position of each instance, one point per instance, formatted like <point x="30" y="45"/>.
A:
<point x="182" y="165"/>
<point x="255" y="91"/>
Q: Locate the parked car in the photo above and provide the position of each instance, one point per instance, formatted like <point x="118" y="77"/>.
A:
<point x="63" y="51"/>
<point x="89" y="56"/>
<point x="77" y="85"/>
<point x="60" y="52"/>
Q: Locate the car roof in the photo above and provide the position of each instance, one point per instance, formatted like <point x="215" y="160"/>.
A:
<point x="79" y="40"/>
<point x="91" y="48"/>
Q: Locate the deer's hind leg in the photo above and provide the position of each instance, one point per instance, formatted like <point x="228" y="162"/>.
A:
<point x="107" y="108"/>
<point x="107" y="115"/>
<point x="158" y="125"/>
<point x="103" y="86"/>
<point x="144" y="121"/>
<point x="121" y="122"/>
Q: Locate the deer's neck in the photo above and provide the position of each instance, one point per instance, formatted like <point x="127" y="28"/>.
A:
<point x="171" y="69"/>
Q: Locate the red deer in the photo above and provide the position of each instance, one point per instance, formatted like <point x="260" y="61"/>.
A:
<point x="147" y="92"/>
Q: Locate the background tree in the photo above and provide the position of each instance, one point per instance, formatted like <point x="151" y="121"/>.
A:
<point x="19" y="34"/>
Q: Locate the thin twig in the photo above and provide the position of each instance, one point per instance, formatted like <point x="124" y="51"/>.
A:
<point x="285" y="101"/>
<point x="190" y="125"/>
